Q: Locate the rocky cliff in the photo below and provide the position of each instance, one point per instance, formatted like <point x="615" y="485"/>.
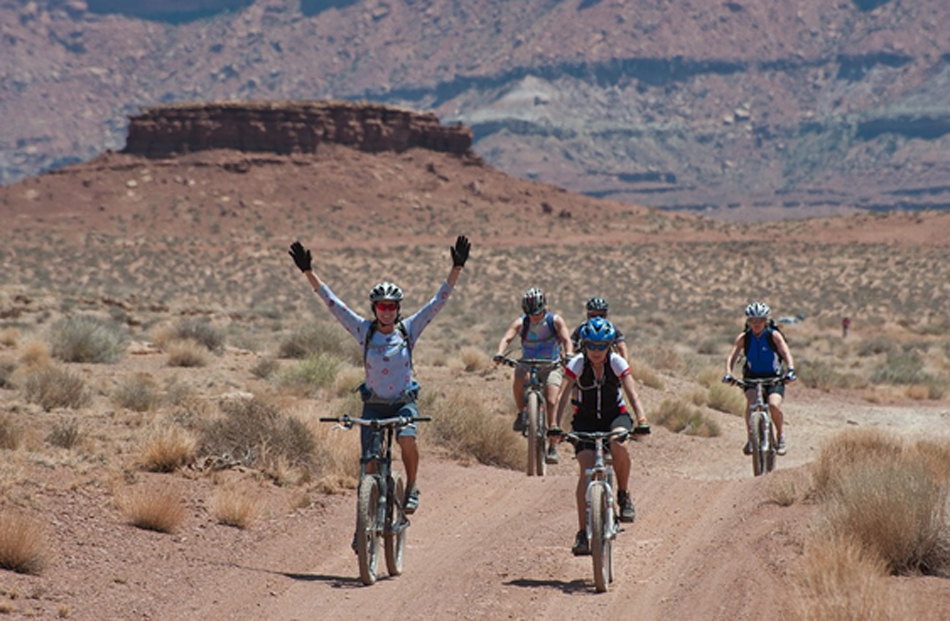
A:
<point x="289" y="127"/>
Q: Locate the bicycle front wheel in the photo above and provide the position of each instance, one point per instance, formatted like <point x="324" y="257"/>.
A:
<point x="396" y="524"/>
<point x="600" y="537"/>
<point x="532" y="409"/>
<point x="367" y="529"/>
<point x="759" y="443"/>
<point x="770" y="452"/>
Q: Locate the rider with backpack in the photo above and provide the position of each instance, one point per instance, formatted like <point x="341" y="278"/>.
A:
<point x="765" y="350"/>
<point x="387" y="341"/>
<point x="544" y="336"/>
<point x="598" y="307"/>
<point x="601" y="377"/>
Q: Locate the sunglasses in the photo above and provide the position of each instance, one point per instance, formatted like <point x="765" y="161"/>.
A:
<point x="597" y="346"/>
<point x="386" y="306"/>
<point x="593" y="314"/>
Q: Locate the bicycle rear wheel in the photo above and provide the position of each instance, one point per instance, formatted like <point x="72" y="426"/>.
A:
<point x="367" y="531"/>
<point x="394" y="536"/>
<point x="600" y="537"/>
<point x="532" y="414"/>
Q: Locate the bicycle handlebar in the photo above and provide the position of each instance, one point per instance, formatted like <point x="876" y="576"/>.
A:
<point x="593" y="435"/>
<point x="528" y="362"/>
<point x="758" y="381"/>
<point x="348" y="421"/>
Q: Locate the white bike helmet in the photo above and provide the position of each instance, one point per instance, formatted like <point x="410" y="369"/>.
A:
<point x="759" y="310"/>
<point x="533" y="301"/>
<point x="385" y="291"/>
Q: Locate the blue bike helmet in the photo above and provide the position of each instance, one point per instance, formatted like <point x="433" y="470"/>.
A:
<point x="598" y="330"/>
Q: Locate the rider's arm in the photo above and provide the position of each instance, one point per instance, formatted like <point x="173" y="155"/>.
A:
<point x="564" y="395"/>
<point x="734" y="354"/>
<point x="564" y="335"/>
<point x="630" y="388"/>
<point x="622" y="350"/>
<point x="782" y="347"/>
<point x="510" y="334"/>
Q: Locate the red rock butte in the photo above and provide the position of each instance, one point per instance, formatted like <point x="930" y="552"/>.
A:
<point x="290" y="127"/>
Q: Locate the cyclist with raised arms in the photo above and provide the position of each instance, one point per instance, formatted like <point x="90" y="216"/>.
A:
<point x="765" y="350"/>
<point x="387" y="341"/>
<point x="544" y="336"/>
<point x="601" y="378"/>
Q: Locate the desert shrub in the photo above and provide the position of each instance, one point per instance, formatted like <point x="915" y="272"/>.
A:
<point x="826" y="375"/>
<point x="474" y="359"/>
<point x="23" y="543"/>
<point x="646" y="375"/>
<point x="320" y="338"/>
<point x="663" y="358"/>
<point x="186" y="353"/>
<point x="177" y="392"/>
<point x="841" y="579"/>
<point x="728" y="399"/>
<point x="265" y="368"/>
<point x="336" y="456"/>
<point x="9" y="337"/>
<point x="200" y="331"/>
<point x="52" y="387"/>
<point x="679" y="416"/>
<point x="65" y="434"/>
<point x="7" y="367"/>
<point x="157" y="509"/>
<point x="901" y="368"/>
<point x="846" y="450"/>
<point x="347" y="379"/>
<point x="11" y="434"/>
<point x="87" y="338"/>
<point x="896" y="507"/>
<point x="236" y="507"/>
<point x="35" y="354"/>
<point x="256" y="432"/>
<point x="138" y="392"/>
<point x="309" y="376"/>
<point x="709" y="376"/>
<point x="167" y="447"/>
<point x="463" y="424"/>
<point x="876" y="345"/>
<point x="711" y="346"/>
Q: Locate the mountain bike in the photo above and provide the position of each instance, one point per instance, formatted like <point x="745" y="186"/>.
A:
<point x="602" y="523"/>
<point x="536" y="427"/>
<point x="761" y="428"/>
<point x="379" y="503"/>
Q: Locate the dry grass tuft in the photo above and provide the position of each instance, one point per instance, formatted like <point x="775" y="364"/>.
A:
<point x="843" y="580"/>
<point x="11" y="434"/>
<point x="728" y="399"/>
<point x="846" y="450"/>
<point x="463" y="424"/>
<point x="347" y="379"/>
<point x="311" y="375"/>
<point x="186" y="353"/>
<point x="474" y="359"/>
<point x="153" y="508"/>
<point x="9" y="337"/>
<point x="23" y="544"/>
<point x="645" y="374"/>
<point x="681" y="417"/>
<point x="35" y="354"/>
<point x="788" y="487"/>
<point x="138" y="393"/>
<point x="65" y="434"/>
<point x="238" y="507"/>
<point x="167" y="448"/>
<point x="53" y="387"/>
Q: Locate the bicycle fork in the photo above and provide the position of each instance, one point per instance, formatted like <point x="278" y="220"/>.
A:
<point x="611" y="530"/>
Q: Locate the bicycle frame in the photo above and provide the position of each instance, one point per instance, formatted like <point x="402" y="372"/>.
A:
<point x="602" y="524"/>
<point x="761" y="427"/>
<point x="535" y="407"/>
<point x="379" y="507"/>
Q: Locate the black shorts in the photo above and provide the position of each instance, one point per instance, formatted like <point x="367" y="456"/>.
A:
<point x="587" y="424"/>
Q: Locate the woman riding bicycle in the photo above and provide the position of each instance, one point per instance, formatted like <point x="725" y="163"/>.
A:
<point x="601" y="378"/>
<point x="387" y="342"/>
<point x="598" y="307"/>
<point x="765" y="349"/>
<point x="543" y="336"/>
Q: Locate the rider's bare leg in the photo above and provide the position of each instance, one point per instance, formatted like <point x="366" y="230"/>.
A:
<point x="621" y="458"/>
<point x="410" y="458"/>
<point x="518" y="391"/>
<point x="775" y="411"/>
<point x="550" y="403"/>
<point x="585" y="460"/>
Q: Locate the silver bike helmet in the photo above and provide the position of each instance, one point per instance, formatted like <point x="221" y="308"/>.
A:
<point x="385" y="291"/>
<point x="758" y="310"/>
<point x="533" y="301"/>
<point x="597" y="303"/>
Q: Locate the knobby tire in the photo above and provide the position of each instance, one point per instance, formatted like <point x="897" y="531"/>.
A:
<point x="758" y="444"/>
<point x="367" y="531"/>
<point x="599" y="538"/>
<point x="532" y="414"/>
<point x="394" y="536"/>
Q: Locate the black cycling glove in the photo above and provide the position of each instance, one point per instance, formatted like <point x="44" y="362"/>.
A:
<point x="301" y="256"/>
<point x="460" y="251"/>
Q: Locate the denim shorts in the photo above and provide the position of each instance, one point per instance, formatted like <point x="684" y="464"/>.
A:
<point x="369" y="440"/>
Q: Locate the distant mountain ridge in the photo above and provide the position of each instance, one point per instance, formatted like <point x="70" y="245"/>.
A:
<point x="738" y="107"/>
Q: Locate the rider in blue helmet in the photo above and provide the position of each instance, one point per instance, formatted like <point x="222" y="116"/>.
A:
<point x="601" y="378"/>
